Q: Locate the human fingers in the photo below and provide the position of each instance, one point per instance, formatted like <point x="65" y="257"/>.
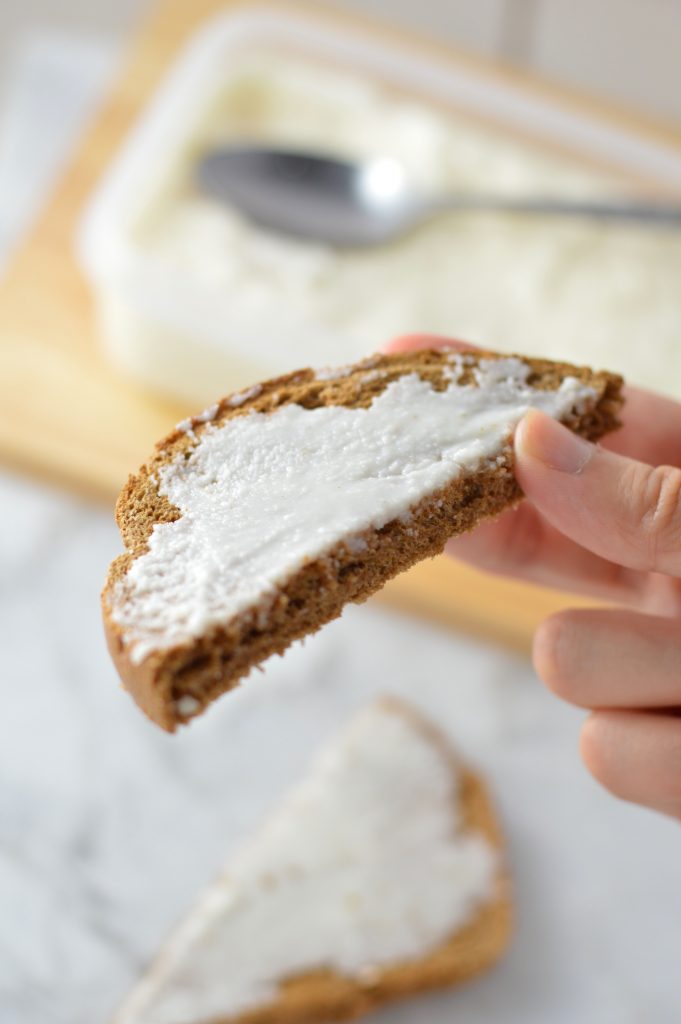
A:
<point x="637" y="756"/>
<point x="651" y="428"/>
<point x="522" y="545"/>
<point x="610" y="658"/>
<point x="623" y="510"/>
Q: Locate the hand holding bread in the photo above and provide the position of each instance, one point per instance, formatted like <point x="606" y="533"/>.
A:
<point x="606" y="521"/>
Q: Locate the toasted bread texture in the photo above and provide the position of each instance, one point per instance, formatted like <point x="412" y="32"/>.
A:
<point x="175" y="680"/>
<point x="316" y="996"/>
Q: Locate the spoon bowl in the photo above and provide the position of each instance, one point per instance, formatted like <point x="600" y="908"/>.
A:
<point x="324" y="199"/>
<point x="311" y="195"/>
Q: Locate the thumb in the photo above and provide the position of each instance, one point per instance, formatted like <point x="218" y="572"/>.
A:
<point x="623" y="510"/>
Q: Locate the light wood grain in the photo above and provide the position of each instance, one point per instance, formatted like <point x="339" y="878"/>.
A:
<point x="66" y="415"/>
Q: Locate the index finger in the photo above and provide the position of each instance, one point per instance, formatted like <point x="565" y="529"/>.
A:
<point x="623" y="510"/>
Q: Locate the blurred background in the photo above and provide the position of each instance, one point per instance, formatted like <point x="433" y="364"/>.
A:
<point x="624" y="50"/>
<point x="115" y="306"/>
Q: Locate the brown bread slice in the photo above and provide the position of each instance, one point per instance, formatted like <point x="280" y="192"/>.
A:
<point x="182" y="987"/>
<point x="177" y="681"/>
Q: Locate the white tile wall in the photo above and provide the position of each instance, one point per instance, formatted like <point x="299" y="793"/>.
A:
<point x="94" y="15"/>
<point x="626" y="50"/>
<point x="629" y="50"/>
<point x="473" y="24"/>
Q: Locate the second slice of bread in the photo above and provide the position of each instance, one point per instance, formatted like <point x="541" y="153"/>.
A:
<point x="175" y="638"/>
<point x="381" y="875"/>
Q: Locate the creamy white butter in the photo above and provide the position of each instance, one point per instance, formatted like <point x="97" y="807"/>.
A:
<point x="568" y="289"/>
<point x="365" y="864"/>
<point x="263" y="493"/>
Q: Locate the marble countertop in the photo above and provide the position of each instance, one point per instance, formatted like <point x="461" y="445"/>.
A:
<point x="108" y="827"/>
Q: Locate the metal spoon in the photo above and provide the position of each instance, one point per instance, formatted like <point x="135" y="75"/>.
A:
<point x="323" y="199"/>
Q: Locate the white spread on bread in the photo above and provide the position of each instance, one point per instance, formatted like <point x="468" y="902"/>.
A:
<point x="262" y="494"/>
<point x="366" y="864"/>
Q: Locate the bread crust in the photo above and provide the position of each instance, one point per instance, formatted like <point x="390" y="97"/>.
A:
<point x="214" y="662"/>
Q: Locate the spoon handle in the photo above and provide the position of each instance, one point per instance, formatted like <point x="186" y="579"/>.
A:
<point x="643" y="211"/>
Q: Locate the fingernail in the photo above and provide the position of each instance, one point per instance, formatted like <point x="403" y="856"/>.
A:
<point x="548" y="441"/>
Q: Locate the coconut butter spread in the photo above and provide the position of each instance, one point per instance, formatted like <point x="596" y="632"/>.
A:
<point x="566" y="289"/>
<point x="367" y="863"/>
<point x="263" y="493"/>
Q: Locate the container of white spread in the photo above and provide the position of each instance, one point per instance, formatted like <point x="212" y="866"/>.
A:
<point x="193" y="301"/>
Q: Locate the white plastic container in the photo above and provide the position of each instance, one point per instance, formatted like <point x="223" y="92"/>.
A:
<point x="192" y="302"/>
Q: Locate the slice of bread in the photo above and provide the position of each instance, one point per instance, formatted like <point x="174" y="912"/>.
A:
<point x="255" y="522"/>
<point x="380" y="875"/>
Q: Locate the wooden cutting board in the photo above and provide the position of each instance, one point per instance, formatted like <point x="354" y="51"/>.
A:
<point x="66" y="415"/>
